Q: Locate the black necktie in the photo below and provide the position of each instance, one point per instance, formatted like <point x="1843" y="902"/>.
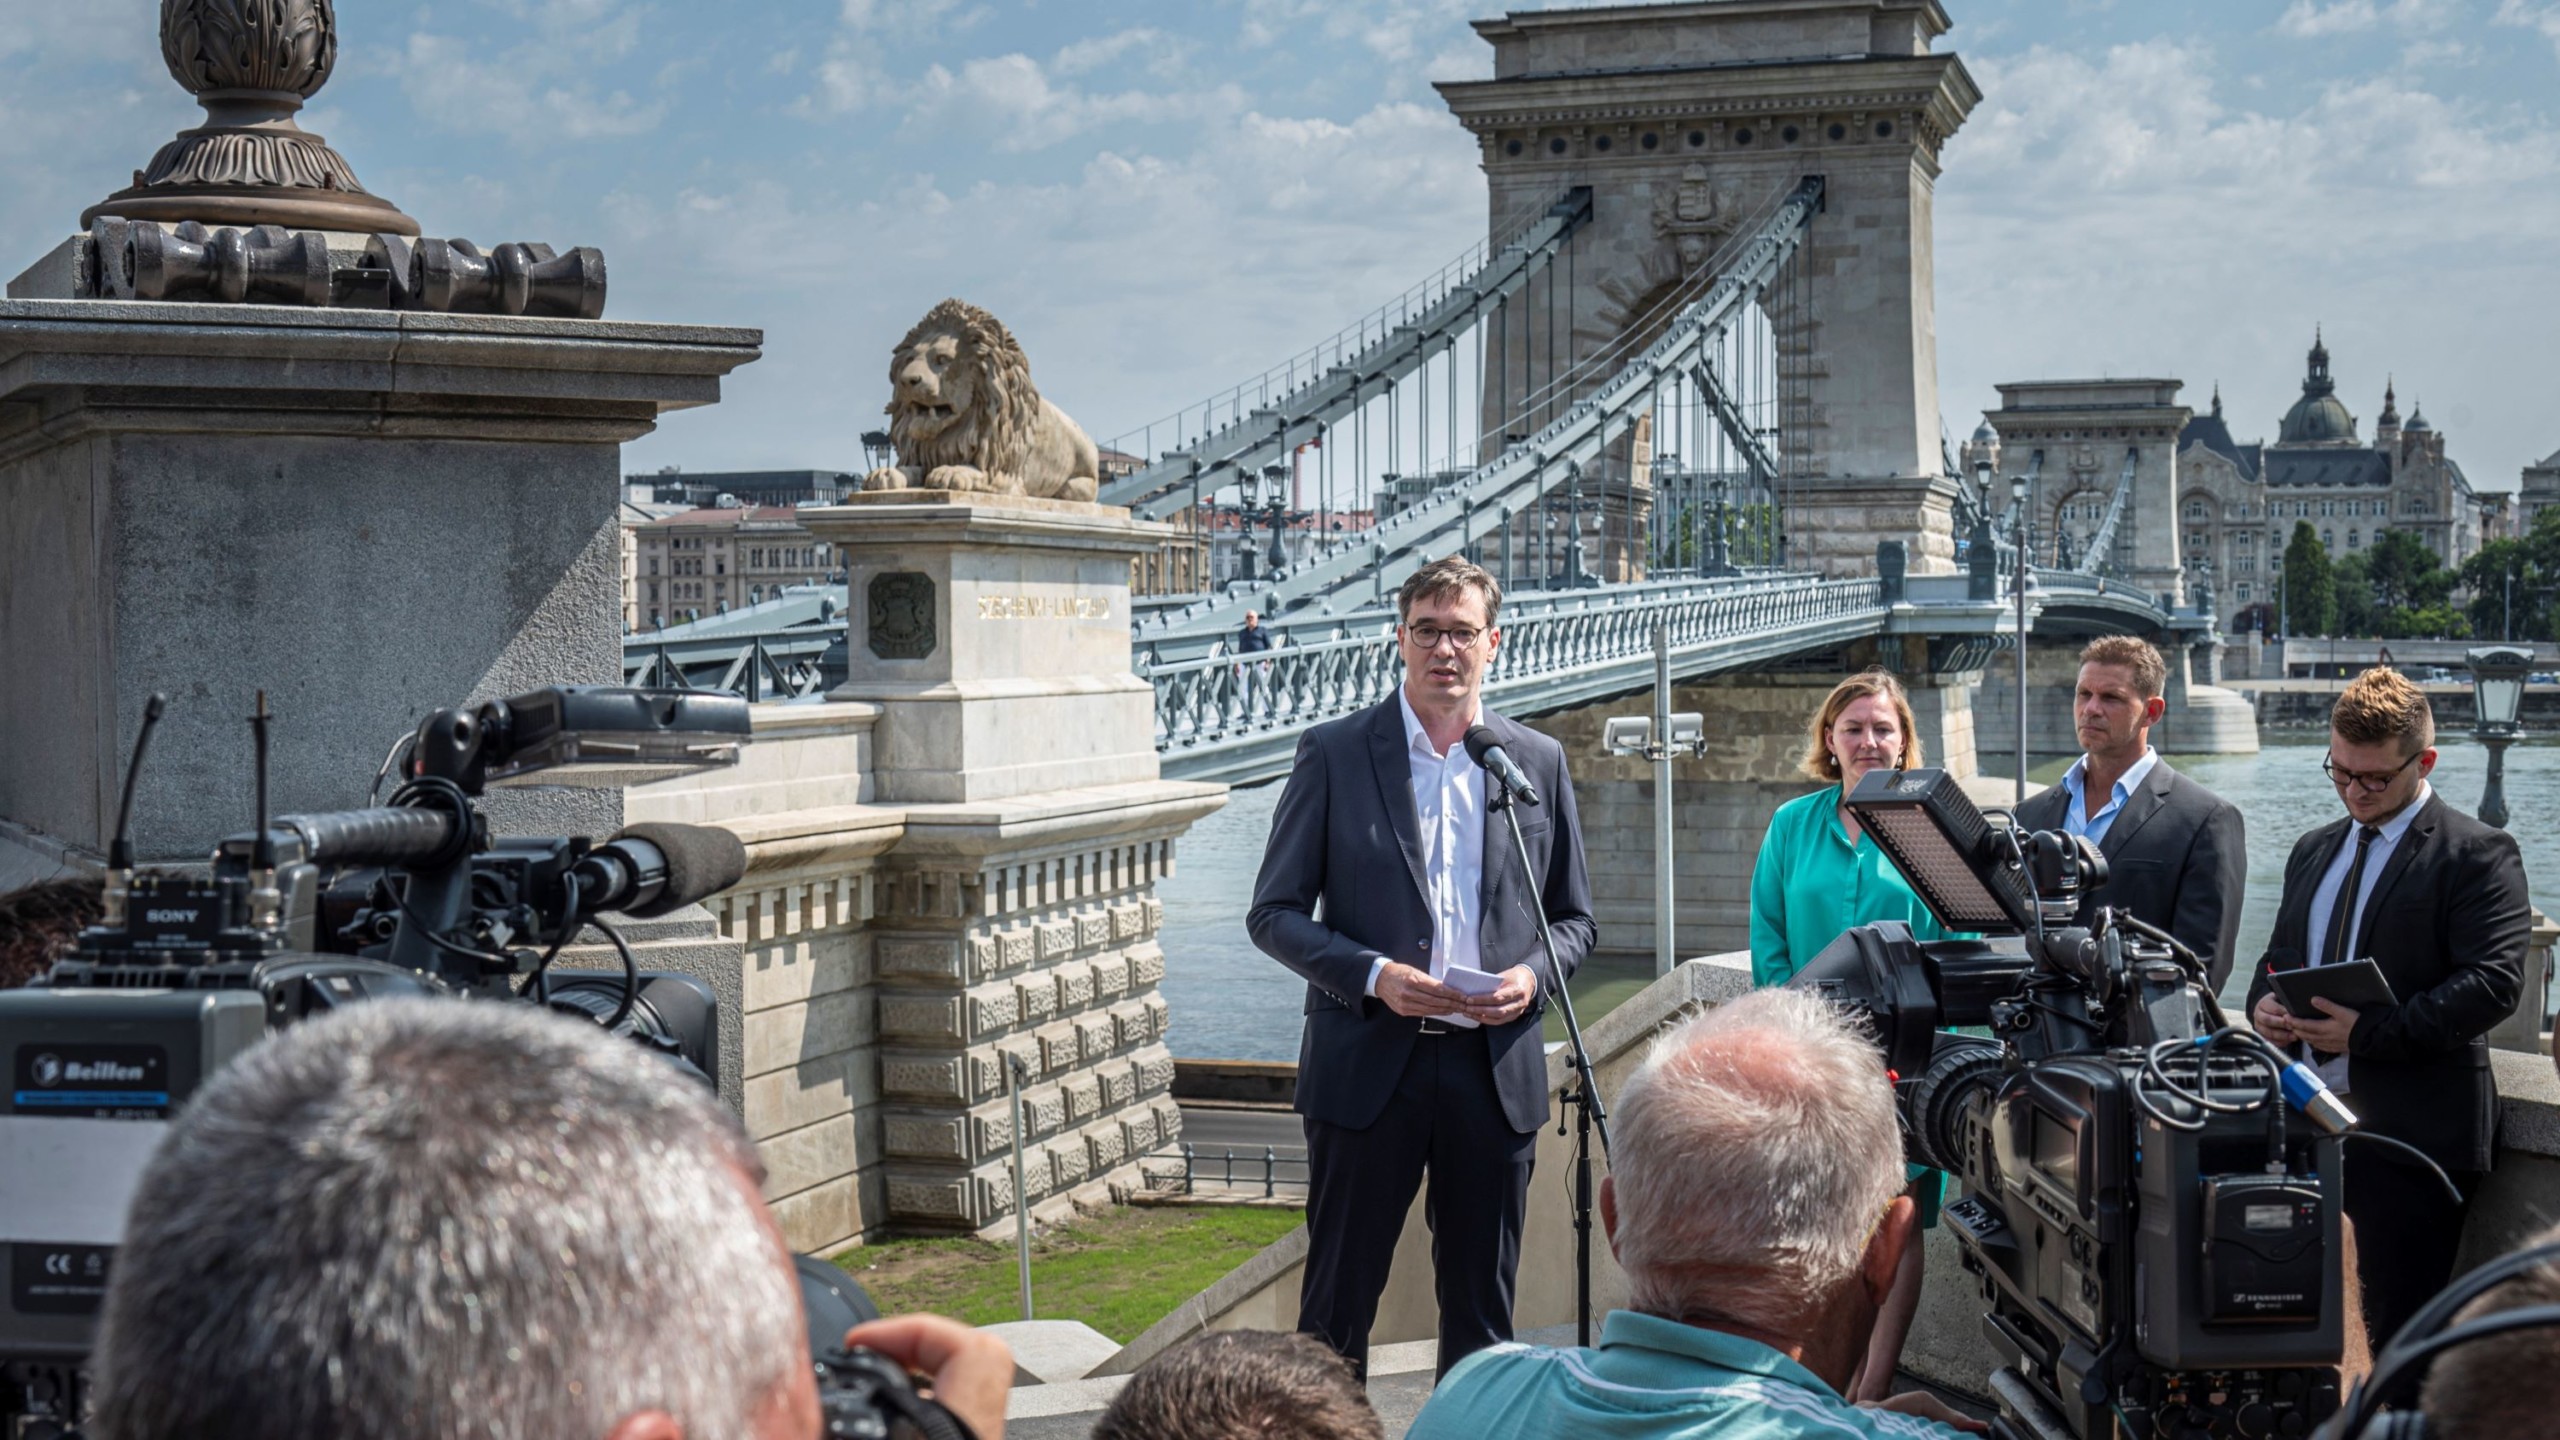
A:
<point x="2333" y="950"/>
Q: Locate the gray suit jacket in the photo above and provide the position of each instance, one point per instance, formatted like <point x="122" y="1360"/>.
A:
<point x="2176" y="858"/>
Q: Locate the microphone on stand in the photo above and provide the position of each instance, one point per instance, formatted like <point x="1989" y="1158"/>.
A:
<point x="1487" y="751"/>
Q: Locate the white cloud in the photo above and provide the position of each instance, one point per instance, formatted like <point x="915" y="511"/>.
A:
<point x="2123" y="213"/>
<point x="1013" y="100"/>
<point x="1137" y="281"/>
<point x="2311" y="18"/>
<point x="2528" y="14"/>
<point x="1150" y="47"/>
<point x="514" y="93"/>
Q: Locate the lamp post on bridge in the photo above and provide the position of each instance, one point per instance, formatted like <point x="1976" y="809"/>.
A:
<point x="2497" y="697"/>
<point x="1661" y="738"/>
<point x="2021" y="539"/>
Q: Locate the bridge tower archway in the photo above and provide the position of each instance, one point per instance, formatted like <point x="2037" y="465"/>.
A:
<point x="1687" y="121"/>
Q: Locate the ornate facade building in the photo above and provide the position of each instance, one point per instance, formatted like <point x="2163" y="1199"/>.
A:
<point x="2541" y="491"/>
<point x="2238" y="504"/>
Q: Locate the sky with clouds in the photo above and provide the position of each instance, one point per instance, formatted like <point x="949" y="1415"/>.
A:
<point x="1166" y="196"/>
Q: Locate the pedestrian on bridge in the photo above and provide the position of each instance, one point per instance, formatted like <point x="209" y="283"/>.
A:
<point x="1392" y="885"/>
<point x="1252" y="642"/>
<point x="1819" y="875"/>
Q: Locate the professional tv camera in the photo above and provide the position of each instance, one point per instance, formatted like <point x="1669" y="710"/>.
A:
<point x="314" y="912"/>
<point x="2158" y="1245"/>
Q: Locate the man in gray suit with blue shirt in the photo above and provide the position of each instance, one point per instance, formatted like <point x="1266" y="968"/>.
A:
<point x="1393" y="887"/>
<point x="2175" y="851"/>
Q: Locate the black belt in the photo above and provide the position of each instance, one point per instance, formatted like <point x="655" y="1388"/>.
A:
<point x="1433" y="1027"/>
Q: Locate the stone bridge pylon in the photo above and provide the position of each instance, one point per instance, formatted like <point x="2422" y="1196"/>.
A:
<point x="1687" y="121"/>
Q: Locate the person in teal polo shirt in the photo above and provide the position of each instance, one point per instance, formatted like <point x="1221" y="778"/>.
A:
<point x="1746" y="1317"/>
<point x="1819" y="875"/>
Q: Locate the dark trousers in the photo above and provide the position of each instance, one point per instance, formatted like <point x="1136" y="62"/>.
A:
<point x="1445" y="1118"/>
<point x="2407" y="1233"/>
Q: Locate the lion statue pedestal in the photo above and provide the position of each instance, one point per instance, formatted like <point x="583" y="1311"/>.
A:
<point x="965" y="416"/>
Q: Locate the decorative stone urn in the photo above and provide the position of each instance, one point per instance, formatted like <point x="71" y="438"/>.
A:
<point x="251" y="64"/>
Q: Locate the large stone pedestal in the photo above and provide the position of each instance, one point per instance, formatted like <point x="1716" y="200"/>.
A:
<point x="1015" y="919"/>
<point x="367" y="514"/>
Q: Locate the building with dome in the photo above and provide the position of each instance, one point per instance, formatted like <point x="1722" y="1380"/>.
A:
<point x="2238" y="504"/>
<point x="2203" y="509"/>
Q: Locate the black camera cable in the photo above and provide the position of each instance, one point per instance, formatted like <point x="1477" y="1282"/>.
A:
<point x="434" y="792"/>
<point x="572" y="920"/>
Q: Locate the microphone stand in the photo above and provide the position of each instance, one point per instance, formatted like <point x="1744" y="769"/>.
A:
<point x="1589" y="1110"/>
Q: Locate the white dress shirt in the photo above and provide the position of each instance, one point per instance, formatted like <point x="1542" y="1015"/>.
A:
<point x="1449" y="800"/>
<point x="2324" y="900"/>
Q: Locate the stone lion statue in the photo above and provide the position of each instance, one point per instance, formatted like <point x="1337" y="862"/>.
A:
<point x="964" y="415"/>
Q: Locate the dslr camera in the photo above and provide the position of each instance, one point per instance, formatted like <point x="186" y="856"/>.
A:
<point x="2150" y="1194"/>
<point x="304" y="914"/>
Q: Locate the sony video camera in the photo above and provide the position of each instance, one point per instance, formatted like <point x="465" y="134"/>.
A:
<point x="310" y="913"/>
<point x="2158" y="1242"/>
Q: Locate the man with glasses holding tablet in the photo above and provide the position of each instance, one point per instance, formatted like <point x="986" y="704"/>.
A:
<point x="1392" y="887"/>
<point x="2437" y="901"/>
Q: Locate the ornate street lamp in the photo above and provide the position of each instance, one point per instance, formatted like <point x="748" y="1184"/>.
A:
<point x="1982" y="556"/>
<point x="1275" y="477"/>
<point x="1249" y="492"/>
<point x="2497" y="694"/>
<point x="2018" y="543"/>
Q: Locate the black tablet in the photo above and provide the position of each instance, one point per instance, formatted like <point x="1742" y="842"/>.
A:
<point x="2358" y="985"/>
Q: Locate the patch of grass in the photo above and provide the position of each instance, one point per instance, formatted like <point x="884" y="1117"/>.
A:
<point x="1119" y="1272"/>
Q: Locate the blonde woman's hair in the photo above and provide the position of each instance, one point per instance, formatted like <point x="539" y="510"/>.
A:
<point x="1819" y="763"/>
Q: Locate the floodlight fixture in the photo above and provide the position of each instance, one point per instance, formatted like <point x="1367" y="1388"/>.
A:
<point x="1928" y="827"/>
<point x="1688" y="734"/>
<point x="1632" y="735"/>
<point x="1627" y="734"/>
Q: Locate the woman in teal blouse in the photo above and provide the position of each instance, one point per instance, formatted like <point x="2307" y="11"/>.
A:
<point x="1819" y="875"/>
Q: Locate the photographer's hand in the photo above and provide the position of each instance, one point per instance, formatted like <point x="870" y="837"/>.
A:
<point x="2272" y="1020"/>
<point x="972" y="1370"/>
<point x="1926" y="1406"/>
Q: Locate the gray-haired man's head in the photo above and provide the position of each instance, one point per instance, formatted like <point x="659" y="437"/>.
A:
<point x="1757" y="1155"/>
<point x="450" y="1219"/>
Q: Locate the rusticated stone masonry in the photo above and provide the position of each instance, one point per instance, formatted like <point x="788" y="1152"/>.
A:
<point x="1050" y="961"/>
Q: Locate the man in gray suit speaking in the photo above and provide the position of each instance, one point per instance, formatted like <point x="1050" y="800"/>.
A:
<point x="2174" y="849"/>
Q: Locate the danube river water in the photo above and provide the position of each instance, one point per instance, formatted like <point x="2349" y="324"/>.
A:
<point x="1232" y="1002"/>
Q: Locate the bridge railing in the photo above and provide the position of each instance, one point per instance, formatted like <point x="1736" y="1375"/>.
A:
<point x="1211" y="699"/>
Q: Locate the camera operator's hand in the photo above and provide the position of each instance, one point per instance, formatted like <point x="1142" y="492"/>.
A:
<point x="972" y="1370"/>
<point x="1410" y="992"/>
<point x="1922" y="1404"/>
<point x="2272" y="1020"/>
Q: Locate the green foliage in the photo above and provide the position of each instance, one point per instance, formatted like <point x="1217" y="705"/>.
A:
<point x="2310" y="588"/>
<point x="2405" y="573"/>
<point x="2351" y="582"/>
<point x="2523" y="574"/>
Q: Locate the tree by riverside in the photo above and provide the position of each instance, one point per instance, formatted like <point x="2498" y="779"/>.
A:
<point x="2405" y="589"/>
<point x="2523" y="573"/>
<point x="2310" y="589"/>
